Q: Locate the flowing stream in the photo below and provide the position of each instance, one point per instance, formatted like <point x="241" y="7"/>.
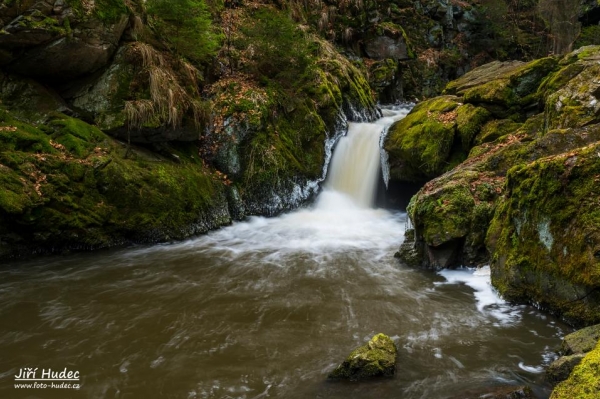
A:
<point x="267" y="307"/>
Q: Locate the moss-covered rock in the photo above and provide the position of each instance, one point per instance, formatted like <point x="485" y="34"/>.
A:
<point x="375" y="359"/>
<point x="583" y="382"/>
<point x="572" y="93"/>
<point x="69" y="39"/>
<point x="581" y="341"/>
<point x="545" y="235"/>
<point x="560" y="369"/>
<point x="271" y="142"/>
<point x="67" y="185"/>
<point x="506" y="89"/>
<point x="420" y="145"/>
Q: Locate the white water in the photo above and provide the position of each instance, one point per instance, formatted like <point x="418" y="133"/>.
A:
<point x="342" y="217"/>
<point x="355" y="165"/>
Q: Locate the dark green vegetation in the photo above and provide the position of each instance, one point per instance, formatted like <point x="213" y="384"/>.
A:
<point x="187" y="26"/>
<point x="68" y="185"/>
<point x="221" y="111"/>
<point x="377" y="358"/>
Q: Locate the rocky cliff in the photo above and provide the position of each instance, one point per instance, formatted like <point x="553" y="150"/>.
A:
<point x="525" y="196"/>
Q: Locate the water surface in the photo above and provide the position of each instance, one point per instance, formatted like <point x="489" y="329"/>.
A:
<point x="266" y="309"/>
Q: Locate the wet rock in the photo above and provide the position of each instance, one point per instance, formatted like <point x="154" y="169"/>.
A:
<point x="560" y="369"/>
<point x="375" y="359"/>
<point x="581" y="341"/>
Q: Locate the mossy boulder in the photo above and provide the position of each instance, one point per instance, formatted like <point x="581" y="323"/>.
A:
<point x="375" y="359"/>
<point x="433" y="138"/>
<point x="583" y="383"/>
<point x="506" y="89"/>
<point x="67" y="185"/>
<point x="452" y="213"/>
<point x="545" y="235"/>
<point x="581" y="341"/>
<point x="572" y="94"/>
<point x="560" y="369"/>
<point x="70" y="38"/>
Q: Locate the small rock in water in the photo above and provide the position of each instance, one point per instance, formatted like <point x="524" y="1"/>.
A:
<point x="376" y="358"/>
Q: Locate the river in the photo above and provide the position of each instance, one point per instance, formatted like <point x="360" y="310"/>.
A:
<point x="266" y="308"/>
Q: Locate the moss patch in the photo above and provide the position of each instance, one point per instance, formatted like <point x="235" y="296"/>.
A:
<point x="583" y="382"/>
<point x="69" y="185"/>
<point x="376" y="358"/>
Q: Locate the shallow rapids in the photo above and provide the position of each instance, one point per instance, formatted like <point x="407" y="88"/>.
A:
<point x="265" y="309"/>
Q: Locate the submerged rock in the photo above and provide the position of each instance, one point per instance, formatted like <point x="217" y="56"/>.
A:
<point x="376" y="358"/>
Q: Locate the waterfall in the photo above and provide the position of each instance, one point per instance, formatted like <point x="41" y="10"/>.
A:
<point x="354" y="169"/>
<point x="355" y="166"/>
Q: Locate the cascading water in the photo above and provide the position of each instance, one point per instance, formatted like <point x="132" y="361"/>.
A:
<point x="355" y="165"/>
<point x="267" y="307"/>
<point x="356" y="162"/>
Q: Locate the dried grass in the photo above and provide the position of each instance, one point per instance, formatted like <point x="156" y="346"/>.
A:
<point x="169" y="101"/>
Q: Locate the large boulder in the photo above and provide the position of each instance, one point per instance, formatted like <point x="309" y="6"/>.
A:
<point x="452" y="213"/>
<point x="434" y="137"/>
<point x="545" y="235"/>
<point x="375" y="359"/>
<point x="68" y="39"/>
<point x="65" y="185"/>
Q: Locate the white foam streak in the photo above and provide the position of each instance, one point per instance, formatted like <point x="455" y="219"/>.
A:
<point x="488" y="301"/>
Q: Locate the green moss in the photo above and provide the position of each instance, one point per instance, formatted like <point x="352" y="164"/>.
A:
<point x="445" y="215"/>
<point x="547" y="230"/>
<point x="376" y="358"/>
<point x="420" y="145"/>
<point x="495" y="129"/>
<point x="86" y="194"/>
<point x="78" y="137"/>
<point x="469" y="121"/>
<point x="583" y="383"/>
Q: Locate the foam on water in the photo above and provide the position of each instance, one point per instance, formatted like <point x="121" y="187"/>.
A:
<point x="334" y="224"/>
<point x="488" y="300"/>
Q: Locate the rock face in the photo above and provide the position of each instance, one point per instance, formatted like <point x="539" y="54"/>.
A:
<point x="375" y="359"/>
<point x="520" y="135"/>
<point x="68" y="40"/>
